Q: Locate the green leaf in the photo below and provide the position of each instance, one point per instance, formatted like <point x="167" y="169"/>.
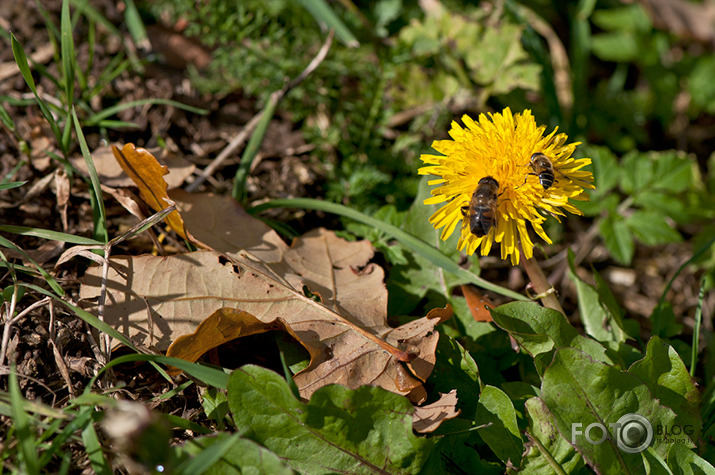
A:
<point x="618" y="46"/>
<point x="700" y="84"/>
<point x="651" y="228"/>
<point x="617" y="238"/>
<point x="598" y="321"/>
<point x="672" y="171"/>
<point x="502" y="436"/>
<point x="338" y="429"/>
<point x="215" y="403"/>
<point x="606" y="170"/>
<point x="663" y="320"/>
<point x="455" y="369"/>
<point x="580" y="391"/>
<point x="548" y="451"/>
<point x="665" y="374"/>
<point x="683" y="461"/>
<point x="227" y="453"/>
<point x="540" y="330"/>
<point x="629" y="17"/>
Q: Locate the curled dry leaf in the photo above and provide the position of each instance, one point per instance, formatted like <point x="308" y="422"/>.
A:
<point x="148" y="175"/>
<point x="154" y="300"/>
<point x="428" y="418"/>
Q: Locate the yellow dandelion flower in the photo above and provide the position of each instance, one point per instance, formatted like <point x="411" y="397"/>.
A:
<point x="501" y="146"/>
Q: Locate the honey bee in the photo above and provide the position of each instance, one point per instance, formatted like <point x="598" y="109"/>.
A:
<point x="481" y="211"/>
<point x="542" y="167"/>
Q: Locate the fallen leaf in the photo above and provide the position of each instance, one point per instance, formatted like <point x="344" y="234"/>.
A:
<point x="428" y="418"/>
<point x="148" y="174"/>
<point x="111" y="173"/>
<point x="154" y="300"/>
<point x="221" y="223"/>
<point x="478" y="303"/>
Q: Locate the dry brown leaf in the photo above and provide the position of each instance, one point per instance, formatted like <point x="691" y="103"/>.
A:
<point x="478" y="303"/>
<point x="154" y="300"/>
<point x="221" y="223"/>
<point x="148" y="175"/>
<point x="428" y="418"/>
<point x="111" y="173"/>
<point x="62" y="191"/>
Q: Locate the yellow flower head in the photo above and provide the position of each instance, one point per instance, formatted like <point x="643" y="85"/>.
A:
<point x="501" y="146"/>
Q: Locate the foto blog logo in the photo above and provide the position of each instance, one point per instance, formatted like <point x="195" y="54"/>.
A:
<point x="632" y="433"/>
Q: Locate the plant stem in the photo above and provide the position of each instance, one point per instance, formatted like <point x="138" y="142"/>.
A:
<point x="541" y="285"/>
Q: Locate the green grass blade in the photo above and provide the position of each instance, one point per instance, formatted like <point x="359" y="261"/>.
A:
<point x="411" y="242"/>
<point x="100" y="230"/>
<point x="321" y="11"/>
<point x="696" y="329"/>
<point x="6" y="119"/>
<point x="21" y="60"/>
<point x="48" y="234"/>
<point x="68" y="53"/>
<point x="48" y="278"/>
<point x="11" y="185"/>
<point x="110" y="111"/>
<point x="94" y="451"/>
<point x="211" y="376"/>
<point x="134" y="22"/>
<point x="239" y="181"/>
<point x="23" y="432"/>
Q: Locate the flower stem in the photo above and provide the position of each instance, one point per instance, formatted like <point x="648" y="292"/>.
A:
<point x="541" y="285"/>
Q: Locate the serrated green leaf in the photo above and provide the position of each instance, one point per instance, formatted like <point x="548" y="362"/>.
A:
<point x="338" y="430"/>
<point x="540" y="330"/>
<point x="638" y="171"/>
<point x="665" y="374"/>
<point x="606" y="169"/>
<point x="548" y="451"/>
<point x="617" y="238"/>
<point x="651" y="228"/>
<point x="579" y="390"/>
<point x="683" y="461"/>
<point x="672" y="171"/>
<point x="503" y="437"/>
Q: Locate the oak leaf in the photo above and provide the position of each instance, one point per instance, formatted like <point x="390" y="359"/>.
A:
<point x="153" y="300"/>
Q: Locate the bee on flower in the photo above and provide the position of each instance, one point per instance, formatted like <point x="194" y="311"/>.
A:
<point x="498" y="174"/>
